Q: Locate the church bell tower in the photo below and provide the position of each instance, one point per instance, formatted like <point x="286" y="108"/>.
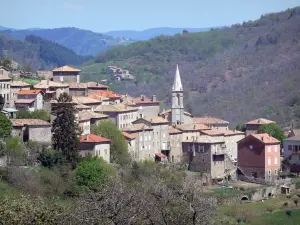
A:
<point x="177" y="100"/>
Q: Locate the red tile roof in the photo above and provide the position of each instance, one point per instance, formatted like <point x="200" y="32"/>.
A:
<point x="29" y="92"/>
<point x="92" y="138"/>
<point x="128" y="136"/>
<point x="106" y="93"/>
<point x="265" y="138"/>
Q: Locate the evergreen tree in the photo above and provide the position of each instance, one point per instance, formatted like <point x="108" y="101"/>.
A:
<point x="65" y="129"/>
<point x="5" y="126"/>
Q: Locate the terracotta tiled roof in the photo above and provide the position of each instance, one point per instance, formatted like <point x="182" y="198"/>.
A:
<point x="78" y="85"/>
<point x="260" y="121"/>
<point x="173" y="130"/>
<point x="96" y="85"/>
<point x="23" y="122"/>
<point x="207" y="120"/>
<point x="24" y="101"/>
<point x="92" y="138"/>
<point x="29" y="92"/>
<point x="203" y="139"/>
<point x="18" y="83"/>
<point x="66" y="69"/>
<point x="141" y="101"/>
<point x="87" y="115"/>
<point x="192" y="127"/>
<point x="44" y="84"/>
<point x="216" y="132"/>
<point x="265" y="138"/>
<point x="154" y="120"/>
<point x="294" y="138"/>
<point x="106" y="93"/>
<point x="81" y="106"/>
<point x="115" y="108"/>
<point x="84" y="100"/>
<point x="160" y="155"/>
<point x="128" y="136"/>
<point x="136" y="127"/>
<point x="2" y="77"/>
<point x="296" y="132"/>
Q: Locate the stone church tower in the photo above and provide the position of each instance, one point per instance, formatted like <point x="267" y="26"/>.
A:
<point x="177" y="100"/>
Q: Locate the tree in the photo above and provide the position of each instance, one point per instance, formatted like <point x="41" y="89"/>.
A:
<point x="5" y="126"/>
<point x="272" y="129"/>
<point x="38" y="114"/>
<point x="50" y="157"/>
<point x="241" y="127"/>
<point x="65" y="130"/>
<point x="118" y="148"/>
<point x="2" y="102"/>
<point x="91" y="173"/>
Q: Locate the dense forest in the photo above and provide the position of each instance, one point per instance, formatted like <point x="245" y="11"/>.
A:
<point x="38" y="53"/>
<point x="237" y="73"/>
<point x="83" y="42"/>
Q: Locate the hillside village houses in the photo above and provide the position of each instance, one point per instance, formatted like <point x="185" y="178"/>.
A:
<point x="203" y="144"/>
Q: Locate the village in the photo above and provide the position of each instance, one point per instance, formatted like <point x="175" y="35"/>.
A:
<point x="203" y="144"/>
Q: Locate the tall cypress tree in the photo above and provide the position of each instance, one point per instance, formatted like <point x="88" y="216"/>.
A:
<point x="2" y="102"/>
<point x="65" y="129"/>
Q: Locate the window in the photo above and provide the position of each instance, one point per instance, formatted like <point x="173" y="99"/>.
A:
<point x="187" y="138"/>
<point x="251" y="147"/>
<point x="149" y="147"/>
<point x="275" y="149"/>
<point x="269" y="160"/>
<point x="275" y="160"/>
<point x="149" y="137"/>
<point x="141" y="138"/>
<point x="105" y="151"/>
<point x="290" y="147"/>
<point x="269" y="148"/>
<point x="178" y="99"/>
<point x="276" y="172"/>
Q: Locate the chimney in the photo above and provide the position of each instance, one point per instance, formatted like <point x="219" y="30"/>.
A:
<point x="262" y="138"/>
<point x="142" y="97"/>
<point x="97" y="83"/>
<point x="87" y="137"/>
<point x="153" y="98"/>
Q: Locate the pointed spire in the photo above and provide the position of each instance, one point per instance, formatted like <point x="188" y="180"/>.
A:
<point x="177" y="86"/>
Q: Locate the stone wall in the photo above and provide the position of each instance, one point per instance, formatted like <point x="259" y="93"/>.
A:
<point x="41" y="134"/>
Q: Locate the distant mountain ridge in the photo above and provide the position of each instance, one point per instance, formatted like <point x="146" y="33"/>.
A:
<point x="153" y="32"/>
<point x="83" y="42"/>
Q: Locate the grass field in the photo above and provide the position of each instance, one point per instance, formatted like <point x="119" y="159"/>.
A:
<point x="29" y="80"/>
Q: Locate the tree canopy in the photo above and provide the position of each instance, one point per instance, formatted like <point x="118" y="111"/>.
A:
<point x="118" y="147"/>
<point x="5" y="126"/>
<point x="272" y="129"/>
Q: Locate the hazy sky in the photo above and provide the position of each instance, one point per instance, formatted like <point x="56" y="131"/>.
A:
<point x="106" y="15"/>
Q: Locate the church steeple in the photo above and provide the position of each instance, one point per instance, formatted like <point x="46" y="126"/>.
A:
<point x="177" y="86"/>
<point x="177" y="100"/>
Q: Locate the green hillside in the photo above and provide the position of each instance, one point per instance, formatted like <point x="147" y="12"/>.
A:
<point x="237" y="73"/>
<point x="38" y="53"/>
<point x="83" y="42"/>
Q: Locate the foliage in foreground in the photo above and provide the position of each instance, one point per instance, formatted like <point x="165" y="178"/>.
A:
<point x="38" y="114"/>
<point x="5" y="126"/>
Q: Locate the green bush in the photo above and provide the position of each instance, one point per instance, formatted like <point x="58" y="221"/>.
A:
<point x="38" y="114"/>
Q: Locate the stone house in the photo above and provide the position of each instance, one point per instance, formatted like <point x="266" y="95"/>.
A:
<point x="81" y="100"/>
<point x="32" y="129"/>
<point x="16" y="86"/>
<point x="146" y="107"/>
<point x="175" y="155"/>
<point x="11" y="113"/>
<point x="160" y="133"/>
<point x="212" y="122"/>
<point x="66" y="74"/>
<point x="96" y="86"/>
<point x="81" y="107"/>
<point x="84" y="124"/>
<point x="5" y="89"/>
<point x="206" y="155"/>
<point x="51" y="89"/>
<point x="4" y="71"/>
<point x="259" y="156"/>
<point x="113" y="98"/>
<point x="253" y="126"/>
<point x="29" y="100"/>
<point x="93" y="145"/>
<point x="93" y="118"/>
<point x="143" y="141"/>
<point x="130" y="140"/>
<point x="293" y="132"/>
<point x="191" y="131"/>
<point x="231" y="138"/>
<point x="120" y="114"/>
<point x="44" y="74"/>
<point x="291" y="152"/>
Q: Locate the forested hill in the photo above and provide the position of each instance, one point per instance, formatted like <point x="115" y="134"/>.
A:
<point x="237" y="73"/>
<point x="83" y="42"/>
<point x="38" y="53"/>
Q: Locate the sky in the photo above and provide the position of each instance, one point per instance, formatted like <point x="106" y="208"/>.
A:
<point x="108" y="15"/>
